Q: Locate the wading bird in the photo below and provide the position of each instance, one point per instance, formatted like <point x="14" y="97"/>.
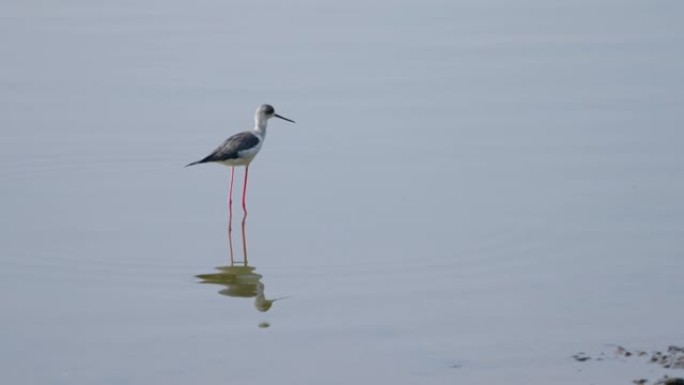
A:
<point x="241" y="148"/>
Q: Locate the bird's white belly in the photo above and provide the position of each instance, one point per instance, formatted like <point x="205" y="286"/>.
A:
<point x="244" y="157"/>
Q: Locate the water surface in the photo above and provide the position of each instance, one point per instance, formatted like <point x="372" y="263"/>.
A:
<point x="472" y="192"/>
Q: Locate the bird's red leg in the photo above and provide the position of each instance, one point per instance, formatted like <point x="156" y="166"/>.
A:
<point x="230" y="214"/>
<point x="230" y="200"/>
<point x="244" y="240"/>
<point x="230" y="247"/>
<point x="244" y="191"/>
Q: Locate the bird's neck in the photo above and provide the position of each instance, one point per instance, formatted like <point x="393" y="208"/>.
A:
<point x="260" y="127"/>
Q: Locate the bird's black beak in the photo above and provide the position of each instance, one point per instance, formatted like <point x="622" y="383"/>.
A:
<point x="283" y="118"/>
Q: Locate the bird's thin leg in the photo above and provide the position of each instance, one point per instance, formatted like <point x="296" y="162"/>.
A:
<point x="244" y="239"/>
<point x="230" y="246"/>
<point x="230" y="200"/>
<point x="244" y="191"/>
<point x="230" y="215"/>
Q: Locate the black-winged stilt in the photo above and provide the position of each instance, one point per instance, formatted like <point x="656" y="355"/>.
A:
<point x="241" y="148"/>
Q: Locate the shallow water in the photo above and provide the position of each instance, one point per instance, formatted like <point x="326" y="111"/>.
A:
<point x="472" y="192"/>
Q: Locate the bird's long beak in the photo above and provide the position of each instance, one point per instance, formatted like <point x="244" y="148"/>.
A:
<point x="283" y="118"/>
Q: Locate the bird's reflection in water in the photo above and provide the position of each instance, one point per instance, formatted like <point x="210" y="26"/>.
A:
<point x="239" y="278"/>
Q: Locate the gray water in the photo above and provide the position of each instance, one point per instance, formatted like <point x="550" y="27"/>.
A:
<point x="472" y="192"/>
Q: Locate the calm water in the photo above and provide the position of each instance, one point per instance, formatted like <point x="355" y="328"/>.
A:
<point x="472" y="192"/>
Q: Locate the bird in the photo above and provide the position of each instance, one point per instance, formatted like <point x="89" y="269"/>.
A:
<point x="241" y="148"/>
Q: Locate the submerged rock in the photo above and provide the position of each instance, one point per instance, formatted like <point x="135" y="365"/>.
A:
<point x="670" y="381"/>
<point x="581" y="357"/>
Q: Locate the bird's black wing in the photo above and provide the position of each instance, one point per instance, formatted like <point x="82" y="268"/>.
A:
<point x="230" y="148"/>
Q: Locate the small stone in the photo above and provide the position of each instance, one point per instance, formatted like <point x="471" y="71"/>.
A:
<point x="670" y="381"/>
<point x="581" y="357"/>
<point x="678" y="363"/>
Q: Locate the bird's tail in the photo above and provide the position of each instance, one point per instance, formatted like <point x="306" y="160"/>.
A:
<point x="194" y="163"/>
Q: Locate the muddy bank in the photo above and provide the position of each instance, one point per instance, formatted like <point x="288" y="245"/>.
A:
<point x="670" y="358"/>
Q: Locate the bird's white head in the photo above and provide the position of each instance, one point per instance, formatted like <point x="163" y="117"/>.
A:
<point x="266" y="112"/>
